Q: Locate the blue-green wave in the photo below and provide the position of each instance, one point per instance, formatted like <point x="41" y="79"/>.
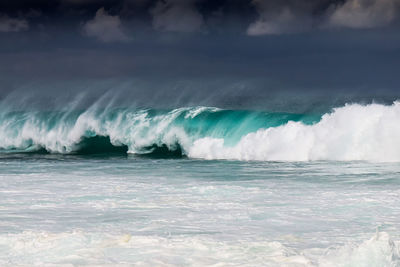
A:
<point x="352" y="132"/>
<point x="163" y="132"/>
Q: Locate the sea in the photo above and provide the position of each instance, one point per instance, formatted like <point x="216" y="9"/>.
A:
<point x="200" y="186"/>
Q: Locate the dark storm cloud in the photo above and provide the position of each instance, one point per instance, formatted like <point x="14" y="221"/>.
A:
<point x="177" y="15"/>
<point x="286" y="16"/>
<point x="105" y="27"/>
<point x="267" y="16"/>
<point x="216" y="52"/>
<point x="8" y="24"/>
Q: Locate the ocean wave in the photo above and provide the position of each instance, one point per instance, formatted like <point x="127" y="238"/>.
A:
<point x="142" y="131"/>
<point x="352" y="132"/>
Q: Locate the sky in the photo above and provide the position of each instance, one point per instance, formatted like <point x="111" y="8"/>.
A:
<point x="233" y="53"/>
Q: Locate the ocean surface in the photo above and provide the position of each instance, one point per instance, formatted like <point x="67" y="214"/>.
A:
<point x="200" y="186"/>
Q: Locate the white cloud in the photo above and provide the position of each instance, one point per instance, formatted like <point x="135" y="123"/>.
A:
<point x="177" y="16"/>
<point x="105" y="27"/>
<point x="8" y="24"/>
<point x="364" y="13"/>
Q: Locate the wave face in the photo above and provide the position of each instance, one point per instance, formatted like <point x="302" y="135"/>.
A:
<point x="353" y="132"/>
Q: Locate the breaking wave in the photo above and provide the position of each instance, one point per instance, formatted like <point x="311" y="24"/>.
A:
<point x="352" y="132"/>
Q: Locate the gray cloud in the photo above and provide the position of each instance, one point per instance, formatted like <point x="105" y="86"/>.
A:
<point x="256" y="17"/>
<point x="284" y="22"/>
<point x="364" y="13"/>
<point x="105" y="27"/>
<point x="281" y="17"/>
<point x="177" y="16"/>
<point x="8" y="24"/>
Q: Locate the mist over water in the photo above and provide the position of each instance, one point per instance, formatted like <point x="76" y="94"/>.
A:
<point x="163" y="93"/>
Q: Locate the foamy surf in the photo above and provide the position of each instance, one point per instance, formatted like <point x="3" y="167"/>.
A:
<point x="99" y="211"/>
<point x="99" y="249"/>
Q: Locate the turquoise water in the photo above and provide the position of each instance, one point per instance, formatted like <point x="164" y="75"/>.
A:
<point x="200" y="186"/>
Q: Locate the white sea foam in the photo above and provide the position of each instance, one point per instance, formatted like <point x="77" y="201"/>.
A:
<point x="352" y="132"/>
<point x="380" y="250"/>
<point x="100" y="249"/>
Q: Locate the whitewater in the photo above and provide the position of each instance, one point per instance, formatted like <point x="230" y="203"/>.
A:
<point x="107" y="185"/>
<point x="80" y="210"/>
